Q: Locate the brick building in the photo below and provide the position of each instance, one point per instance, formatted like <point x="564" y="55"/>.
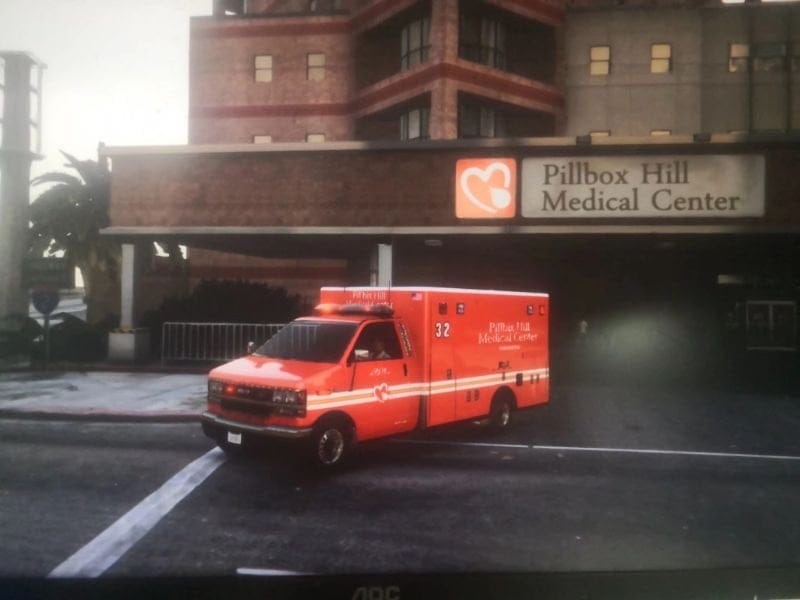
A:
<point x="294" y="71"/>
<point x="642" y="179"/>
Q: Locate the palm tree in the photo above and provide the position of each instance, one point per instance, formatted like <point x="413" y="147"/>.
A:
<point x="68" y="216"/>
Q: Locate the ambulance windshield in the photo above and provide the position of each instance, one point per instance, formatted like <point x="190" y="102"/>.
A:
<point x="313" y="341"/>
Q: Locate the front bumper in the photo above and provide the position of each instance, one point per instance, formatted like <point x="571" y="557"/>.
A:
<point x="213" y="422"/>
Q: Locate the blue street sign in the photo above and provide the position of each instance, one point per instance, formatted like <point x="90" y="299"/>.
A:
<point x="45" y="301"/>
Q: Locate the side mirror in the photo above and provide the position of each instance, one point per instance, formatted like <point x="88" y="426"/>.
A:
<point x="251" y="347"/>
<point x="360" y="355"/>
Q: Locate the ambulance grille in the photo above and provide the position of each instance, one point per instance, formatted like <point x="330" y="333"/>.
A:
<point x="247" y="406"/>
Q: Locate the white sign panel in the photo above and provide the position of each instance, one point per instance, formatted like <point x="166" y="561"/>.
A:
<point x="709" y="186"/>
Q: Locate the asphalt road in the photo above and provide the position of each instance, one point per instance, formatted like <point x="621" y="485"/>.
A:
<point x="552" y="494"/>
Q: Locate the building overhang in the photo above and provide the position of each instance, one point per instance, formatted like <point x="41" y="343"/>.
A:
<point x="337" y="199"/>
<point x="680" y="142"/>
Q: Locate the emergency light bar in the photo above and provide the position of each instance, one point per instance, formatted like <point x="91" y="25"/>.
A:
<point x="374" y="310"/>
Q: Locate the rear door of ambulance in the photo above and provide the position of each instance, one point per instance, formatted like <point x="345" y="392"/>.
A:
<point x="439" y="313"/>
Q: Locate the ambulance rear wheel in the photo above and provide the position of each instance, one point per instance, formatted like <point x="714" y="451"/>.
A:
<point x="330" y="441"/>
<point x="501" y="413"/>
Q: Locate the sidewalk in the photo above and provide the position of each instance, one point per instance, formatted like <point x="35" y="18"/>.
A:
<point x="102" y="396"/>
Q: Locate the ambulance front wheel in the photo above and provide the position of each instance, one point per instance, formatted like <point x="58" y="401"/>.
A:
<point x="331" y="440"/>
<point x="501" y="413"/>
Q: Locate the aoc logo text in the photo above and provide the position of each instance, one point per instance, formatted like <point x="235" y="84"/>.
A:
<point x="391" y="592"/>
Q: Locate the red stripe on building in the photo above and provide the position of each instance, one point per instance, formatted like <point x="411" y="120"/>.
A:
<point x="265" y="110"/>
<point x="420" y="78"/>
<point x="377" y="10"/>
<point x="502" y="84"/>
<point x="546" y="10"/>
<point x="259" y="29"/>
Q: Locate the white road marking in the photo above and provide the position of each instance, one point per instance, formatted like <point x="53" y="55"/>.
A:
<point x="611" y="450"/>
<point x="267" y="572"/>
<point x="669" y="452"/>
<point x="108" y="547"/>
<point x="476" y="444"/>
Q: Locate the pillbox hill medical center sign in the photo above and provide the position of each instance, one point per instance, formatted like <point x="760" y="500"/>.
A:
<point x="709" y="186"/>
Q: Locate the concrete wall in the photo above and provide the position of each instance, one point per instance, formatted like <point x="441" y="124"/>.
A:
<point x="700" y="94"/>
<point x="631" y="100"/>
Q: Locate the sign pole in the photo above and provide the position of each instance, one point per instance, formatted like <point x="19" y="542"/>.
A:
<point x="47" y="342"/>
<point x="45" y="301"/>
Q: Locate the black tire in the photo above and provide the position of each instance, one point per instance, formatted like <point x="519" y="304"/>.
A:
<point x="331" y="441"/>
<point x="501" y="413"/>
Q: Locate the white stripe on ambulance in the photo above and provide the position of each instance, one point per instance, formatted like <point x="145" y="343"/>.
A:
<point x="367" y="395"/>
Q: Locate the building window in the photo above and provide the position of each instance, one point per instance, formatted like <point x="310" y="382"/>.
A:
<point x="738" y="55"/>
<point x="660" y="132"/>
<point x="769" y="57"/>
<point x="414" y="124"/>
<point x="263" y="65"/>
<point x="483" y="40"/>
<point x="771" y="325"/>
<point x="315" y="69"/>
<point x="315" y="138"/>
<point x="262" y="139"/>
<point x="479" y="121"/>
<point x="414" y="43"/>
<point x="599" y="60"/>
<point x="660" y="58"/>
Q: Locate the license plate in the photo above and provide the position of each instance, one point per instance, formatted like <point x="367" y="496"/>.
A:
<point x="235" y="438"/>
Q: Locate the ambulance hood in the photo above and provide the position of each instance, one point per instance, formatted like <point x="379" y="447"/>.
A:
<point x="269" y="372"/>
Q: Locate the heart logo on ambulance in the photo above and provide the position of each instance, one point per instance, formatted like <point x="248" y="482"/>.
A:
<point x="486" y="188"/>
<point x="382" y="392"/>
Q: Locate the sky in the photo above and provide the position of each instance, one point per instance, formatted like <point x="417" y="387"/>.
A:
<point x="116" y="70"/>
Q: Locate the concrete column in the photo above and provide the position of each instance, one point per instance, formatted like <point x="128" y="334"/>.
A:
<point x="128" y="286"/>
<point x="129" y="344"/>
<point x="14" y="202"/>
<point x="381" y="267"/>
<point x="16" y="155"/>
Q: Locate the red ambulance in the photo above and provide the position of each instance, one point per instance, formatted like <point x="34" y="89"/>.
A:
<point x="374" y="362"/>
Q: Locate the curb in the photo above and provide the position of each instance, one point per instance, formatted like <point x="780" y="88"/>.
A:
<point x="65" y="367"/>
<point x="100" y="417"/>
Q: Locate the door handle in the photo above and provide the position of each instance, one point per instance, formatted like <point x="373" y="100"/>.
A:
<point x="405" y="369"/>
<point x="449" y="373"/>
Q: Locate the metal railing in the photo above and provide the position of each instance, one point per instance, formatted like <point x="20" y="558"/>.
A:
<point x="212" y="342"/>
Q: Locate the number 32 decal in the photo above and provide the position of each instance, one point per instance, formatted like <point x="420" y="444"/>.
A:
<point x="442" y="330"/>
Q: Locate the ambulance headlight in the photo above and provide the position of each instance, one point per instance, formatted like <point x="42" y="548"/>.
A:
<point x="215" y="387"/>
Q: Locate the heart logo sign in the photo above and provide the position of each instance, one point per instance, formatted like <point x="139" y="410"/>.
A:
<point x="486" y="188"/>
<point x="382" y="392"/>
